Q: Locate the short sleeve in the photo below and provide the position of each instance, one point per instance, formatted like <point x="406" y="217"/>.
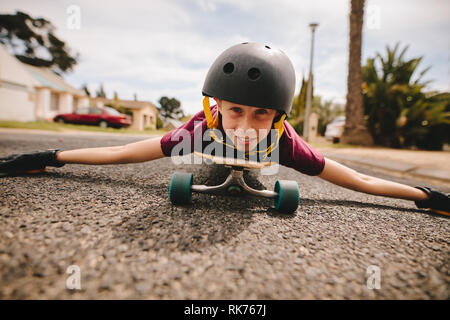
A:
<point x="191" y="129"/>
<point x="299" y="155"/>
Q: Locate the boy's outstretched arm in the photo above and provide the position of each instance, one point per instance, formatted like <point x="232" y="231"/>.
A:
<point x="343" y="176"/>
<point x="140" y="151"/>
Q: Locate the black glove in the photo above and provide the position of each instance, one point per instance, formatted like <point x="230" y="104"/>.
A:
<point x="23" y="162"/>
<point x="436" y="200"/>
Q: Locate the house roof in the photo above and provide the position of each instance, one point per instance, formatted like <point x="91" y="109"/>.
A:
<point x="12" y="71"/>
<point x="174" y="122"/>
<point x="131" y="104"/>
<point x="48" y="79"/>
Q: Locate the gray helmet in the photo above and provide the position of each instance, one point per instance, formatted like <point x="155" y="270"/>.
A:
<point x="252" y="74"/>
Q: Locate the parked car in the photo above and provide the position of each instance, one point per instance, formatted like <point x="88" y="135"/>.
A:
<point x="335" y="129"/>
<point x="102" y="117"/>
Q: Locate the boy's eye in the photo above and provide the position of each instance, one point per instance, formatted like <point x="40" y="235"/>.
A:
<point x="261" y="111"/>
<point x="236" y="109"/>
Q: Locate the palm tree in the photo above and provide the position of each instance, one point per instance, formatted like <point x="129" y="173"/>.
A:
<point x="400" y="113"/>
<point x="355" y="131"/>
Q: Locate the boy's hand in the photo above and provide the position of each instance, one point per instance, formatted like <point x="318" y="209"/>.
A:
<point x="24" y="162"/>
<point x="436" y="201"/>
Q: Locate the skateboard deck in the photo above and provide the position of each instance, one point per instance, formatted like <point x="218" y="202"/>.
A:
<point x="15" y="173"/>
<point x="235" y="162"/>
<point x="445" y="213"/>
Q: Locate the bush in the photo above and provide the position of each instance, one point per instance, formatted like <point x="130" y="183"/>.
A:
<point x="159" y="123"/>
<point x="400" y="114"/>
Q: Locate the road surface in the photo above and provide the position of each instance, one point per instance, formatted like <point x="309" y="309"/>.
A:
<point x="114" y="229"/>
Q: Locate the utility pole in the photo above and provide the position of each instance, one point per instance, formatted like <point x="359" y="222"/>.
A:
<point x="313" y="27"/>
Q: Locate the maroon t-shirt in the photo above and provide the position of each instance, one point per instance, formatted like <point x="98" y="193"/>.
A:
<point x="293" y="151"/>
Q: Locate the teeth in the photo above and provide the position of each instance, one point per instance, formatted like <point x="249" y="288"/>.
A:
<point x="245" y="140"/>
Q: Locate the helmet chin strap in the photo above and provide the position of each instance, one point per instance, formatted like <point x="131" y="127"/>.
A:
<point x="213" y="123"/>
<point x="279" y="126"/>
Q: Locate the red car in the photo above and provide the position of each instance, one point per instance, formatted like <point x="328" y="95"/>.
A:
<point x="102" y="117"/>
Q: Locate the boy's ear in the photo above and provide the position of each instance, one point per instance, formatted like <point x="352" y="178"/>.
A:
<point x="219" y="104"/>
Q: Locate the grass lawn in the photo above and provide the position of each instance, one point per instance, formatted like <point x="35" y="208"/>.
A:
<point x="61" y="127"/>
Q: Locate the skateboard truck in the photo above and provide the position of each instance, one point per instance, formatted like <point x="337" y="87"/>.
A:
<point x="286" y="193"/>
<point x="233" y="184"/>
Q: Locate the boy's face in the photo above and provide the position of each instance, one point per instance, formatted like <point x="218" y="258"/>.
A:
<point x="246" y="126"/>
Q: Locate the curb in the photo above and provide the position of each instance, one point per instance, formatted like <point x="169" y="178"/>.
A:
<point x="405" y="168"/>
<point x="76" y="132"/>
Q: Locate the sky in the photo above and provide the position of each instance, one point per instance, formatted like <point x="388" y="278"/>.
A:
<point x="160" y="48"/>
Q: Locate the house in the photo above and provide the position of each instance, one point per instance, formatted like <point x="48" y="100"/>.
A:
<point x="29" y="93"/>
<point x="144" y="112"/>
<point x="54" y="95"/>
<point x="16" y="89"/>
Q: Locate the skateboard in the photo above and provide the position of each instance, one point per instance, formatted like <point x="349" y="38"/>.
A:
<point x="286" y="193"/>
<point x="444" y="213"/>
<point x="18" y="173"/>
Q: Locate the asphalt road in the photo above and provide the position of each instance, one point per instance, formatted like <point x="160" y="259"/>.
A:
<point x="117" y="225"/>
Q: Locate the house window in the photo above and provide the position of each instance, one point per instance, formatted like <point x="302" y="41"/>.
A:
<point x="54" y="102"/>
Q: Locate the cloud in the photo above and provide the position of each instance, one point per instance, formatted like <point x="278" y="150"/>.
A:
<point x="206" y="5"/>
<point x="165" y="47"/>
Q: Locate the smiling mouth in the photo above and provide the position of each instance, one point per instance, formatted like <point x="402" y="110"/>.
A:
<point x="245" y="140"/>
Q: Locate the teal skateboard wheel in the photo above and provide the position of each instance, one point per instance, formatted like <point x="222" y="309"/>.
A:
<point x="180" y="188"/>
<point x="288" y="196"/>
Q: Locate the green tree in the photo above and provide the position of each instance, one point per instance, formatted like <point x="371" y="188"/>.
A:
<point x="326" y="111"/>
<point x="426" y="123"/>
<point x="296" y="118"/>
<point x="33" y="40"/>
<point x="170" y="108"/>
<point x="159" y="122"/>
<point x="86" y="89"/>
<point x="400" y="114"/>
<point x="299" y="103"/>
<point x="100" y="92"/>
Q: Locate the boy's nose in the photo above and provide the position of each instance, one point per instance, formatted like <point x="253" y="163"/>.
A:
<point x="246" y="123"/>
<point x="246" y="129"/>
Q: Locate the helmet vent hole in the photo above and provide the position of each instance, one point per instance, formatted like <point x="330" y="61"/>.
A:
<point x="228" y="68"/>
<point x="267" y="47"/>
<point x="254" y="73"/>
<point x="244" y="42"/>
